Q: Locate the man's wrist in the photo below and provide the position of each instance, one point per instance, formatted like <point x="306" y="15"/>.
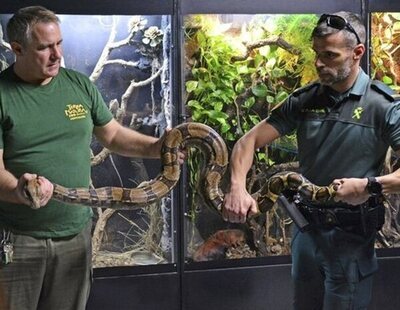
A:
<point x="237" y="187"/>
<point x="374" y="187"/>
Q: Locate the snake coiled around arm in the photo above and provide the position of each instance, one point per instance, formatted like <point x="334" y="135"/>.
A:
<point x="185" y="135"/>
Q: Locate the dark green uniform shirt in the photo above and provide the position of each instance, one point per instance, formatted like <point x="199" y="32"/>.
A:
<point x="47" y="130"/>
<point x="340" y="135"/>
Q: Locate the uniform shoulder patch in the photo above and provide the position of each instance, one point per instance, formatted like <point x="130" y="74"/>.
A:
<point x="383" y="89"/>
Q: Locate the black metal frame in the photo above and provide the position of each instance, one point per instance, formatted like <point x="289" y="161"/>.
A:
<point x="87" y="7"/>
<point x="383" y="6"/>
<point x="180" y="277"/>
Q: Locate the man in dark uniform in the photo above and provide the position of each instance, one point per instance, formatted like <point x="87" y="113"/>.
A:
<point x="345" y="123"/>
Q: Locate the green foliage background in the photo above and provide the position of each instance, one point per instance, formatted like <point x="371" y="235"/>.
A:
<point x="385" y="51"/>
<point x="232" y="87"/>
<point x="232" y="96"/>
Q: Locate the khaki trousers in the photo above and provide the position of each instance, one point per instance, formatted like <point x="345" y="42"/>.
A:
<point x="47" y="274"/>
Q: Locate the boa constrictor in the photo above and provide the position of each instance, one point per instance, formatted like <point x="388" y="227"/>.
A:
<point x="182" y="136"/>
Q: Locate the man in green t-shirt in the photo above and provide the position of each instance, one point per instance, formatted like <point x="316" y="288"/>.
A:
<point x="344" y="125"/>
<point x="48" y="115"/>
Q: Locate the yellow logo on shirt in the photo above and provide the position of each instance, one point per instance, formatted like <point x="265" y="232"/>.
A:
<point x="75" y="111"/>
<point x="317" y="111"/>
<point x="357" y="113"/>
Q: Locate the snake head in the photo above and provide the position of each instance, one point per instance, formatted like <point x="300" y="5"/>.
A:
<point x="33" y="193"/>
<point x="334" y="187"/>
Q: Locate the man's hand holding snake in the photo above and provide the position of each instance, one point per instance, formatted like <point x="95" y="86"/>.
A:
<point x="42" y="187"/>
<point x="182" y="153"/>
<point x="238" y="205"/>
<point x="351" y="190"/>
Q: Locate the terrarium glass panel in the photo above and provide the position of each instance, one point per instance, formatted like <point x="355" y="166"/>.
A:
<point x="385" y="66"/>
<point x="128" y="58"/>
<point x="236" y="69"/>
<point x="385" y="48"/>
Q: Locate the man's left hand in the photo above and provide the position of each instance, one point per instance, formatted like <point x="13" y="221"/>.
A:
<point x="351" y="190"/>
<point x="182" y="153"/>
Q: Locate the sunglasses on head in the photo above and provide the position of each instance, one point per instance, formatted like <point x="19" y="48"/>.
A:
<point x="338" y="22"/>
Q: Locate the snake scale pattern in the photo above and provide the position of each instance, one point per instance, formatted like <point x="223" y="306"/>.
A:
<point x="185" y="135"/>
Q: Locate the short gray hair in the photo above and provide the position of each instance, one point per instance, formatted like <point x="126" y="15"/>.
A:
<point x="19" y="27"/>
<point x="322" y="29"/>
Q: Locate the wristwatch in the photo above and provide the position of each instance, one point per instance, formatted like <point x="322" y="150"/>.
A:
<point x="374" y="188"/>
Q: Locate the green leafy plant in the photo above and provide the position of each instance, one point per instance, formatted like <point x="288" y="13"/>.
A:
<point x="385" y="48"/>
<point x="232" y="89"/>
<point x="212" y="81"/>
<point x="236" y="75"/>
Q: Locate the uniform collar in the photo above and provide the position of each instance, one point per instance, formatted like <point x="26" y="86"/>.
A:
<point x="360" y="84"/>
<point x="358" y="89"/>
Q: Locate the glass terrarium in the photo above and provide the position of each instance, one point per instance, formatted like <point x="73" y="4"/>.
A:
<point x="385" y="48"/>
<point x="128" y="58"/>
<point x="236" y="69"/>
<point x="385" y="66"/>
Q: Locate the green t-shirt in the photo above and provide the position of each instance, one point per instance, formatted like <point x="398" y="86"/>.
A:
<point x="47" y="130"/>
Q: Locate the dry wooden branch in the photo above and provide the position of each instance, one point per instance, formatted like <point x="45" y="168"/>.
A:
<point x="278" y="41"/>
<point x="110" y="45"/>
<point x="3" y="43"/>
<point x="98" y="232"/>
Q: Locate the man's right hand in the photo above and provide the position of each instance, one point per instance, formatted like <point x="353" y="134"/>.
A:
<point x="238" y="205"/>
<point x="45" y="190"/>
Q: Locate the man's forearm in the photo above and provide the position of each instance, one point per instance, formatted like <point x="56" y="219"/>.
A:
<point x="134" y="144"/>
<point x="241" y="161"/>
<point x="243" y="152"/>
<point x="355" y="191"/>
<point x="8" y="187"/>
<point x="390" y="182"/>
<point x="127" y="142"/>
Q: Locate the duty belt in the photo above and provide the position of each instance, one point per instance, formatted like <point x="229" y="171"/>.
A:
<point x="367" y="216"/>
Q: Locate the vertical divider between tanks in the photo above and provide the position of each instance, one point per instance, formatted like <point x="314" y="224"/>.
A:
<point x="179" y="117"/>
